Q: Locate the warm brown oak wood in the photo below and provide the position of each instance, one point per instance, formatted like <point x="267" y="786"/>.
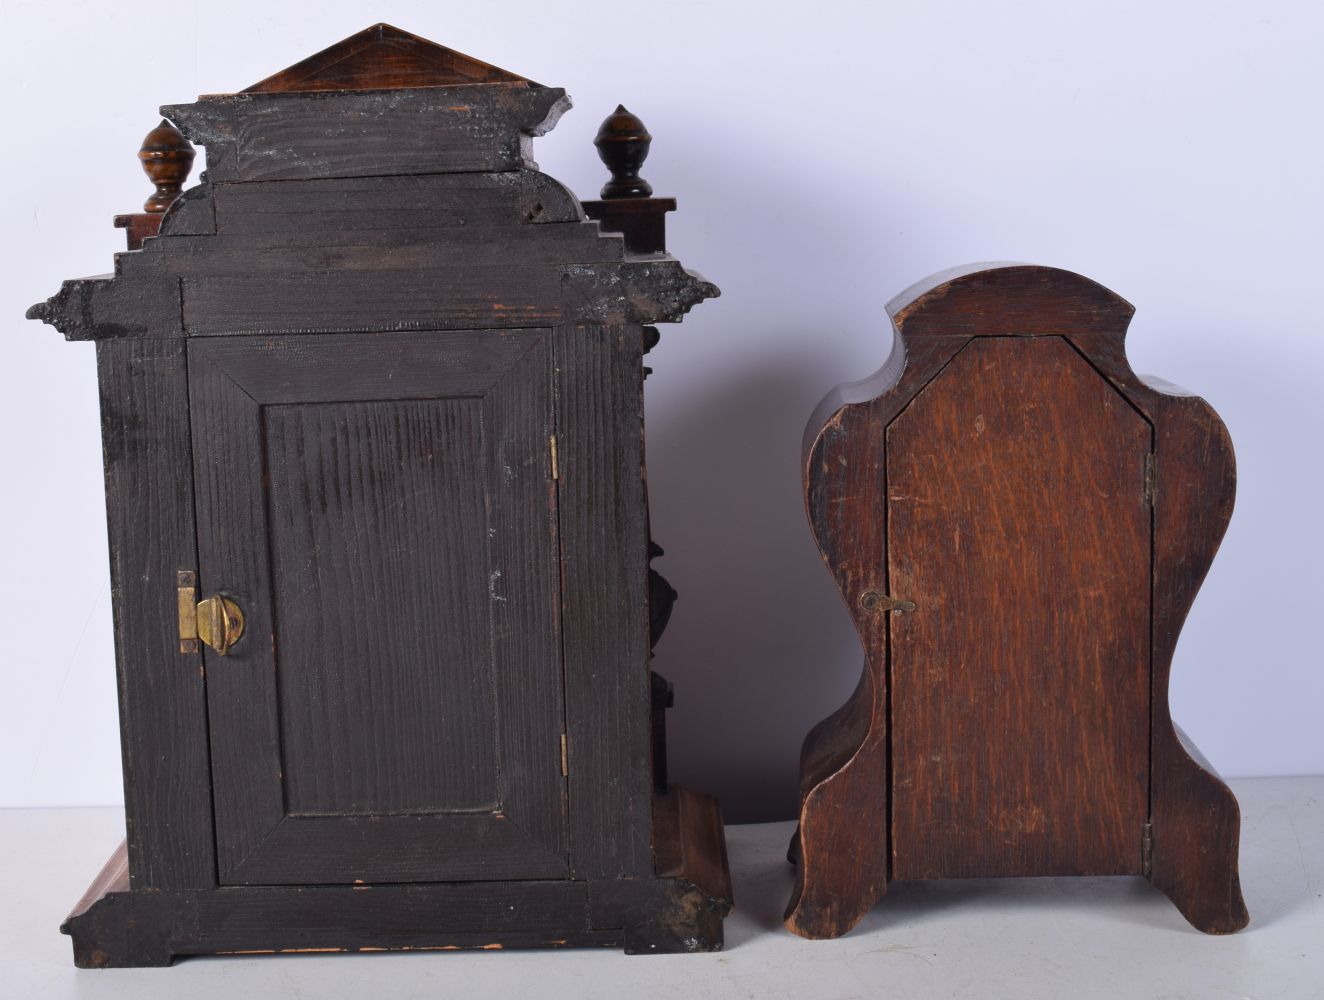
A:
<point x="382" y="57"/>
<point x="1019" y="525"/>
<point x="376" y="385"/>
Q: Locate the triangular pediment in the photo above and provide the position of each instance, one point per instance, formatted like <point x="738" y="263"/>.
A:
<point x="384" y="58"/>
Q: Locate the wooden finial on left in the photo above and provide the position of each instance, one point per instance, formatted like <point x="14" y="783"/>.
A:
<point x="166" y="157"/>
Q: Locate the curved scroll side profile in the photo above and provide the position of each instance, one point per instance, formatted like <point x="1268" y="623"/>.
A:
<point x="1018" y="524"/>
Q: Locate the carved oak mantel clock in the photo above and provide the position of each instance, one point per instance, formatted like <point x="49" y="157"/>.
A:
<point x="372" y="410"/>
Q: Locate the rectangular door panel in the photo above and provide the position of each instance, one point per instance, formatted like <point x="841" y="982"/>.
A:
<point x="378" y="550"/>
<point x="1017" y="524"/>
<point x="382" y="509"/>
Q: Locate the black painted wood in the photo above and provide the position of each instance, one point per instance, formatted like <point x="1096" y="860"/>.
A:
<point x="466" y="129"/>
<point x="388" y="375"/>
<point x="391" y="540"/>
<point x="604" y="569"/>
<point x="680" y="910"/>
<point x="162" y="695"/>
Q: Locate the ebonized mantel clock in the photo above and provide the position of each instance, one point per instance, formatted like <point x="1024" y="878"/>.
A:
<point x="372" y="416"/>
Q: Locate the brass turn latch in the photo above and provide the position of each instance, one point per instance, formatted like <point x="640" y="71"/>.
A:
<point x="217" y="620"/>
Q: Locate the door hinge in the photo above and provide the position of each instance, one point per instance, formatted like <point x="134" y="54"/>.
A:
<point x="556" y="468"/>
<point x="565" y="757"/>
<point x="1147" y="850"/>
<point x="1150" y="488"/>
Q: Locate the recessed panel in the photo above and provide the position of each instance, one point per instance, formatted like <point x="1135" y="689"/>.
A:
<point x="378" y="540"/>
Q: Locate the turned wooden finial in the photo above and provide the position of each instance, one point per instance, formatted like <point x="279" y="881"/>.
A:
<point x="166" y="157"/>
<point x="623" y="143"/>
<point x="627" y="206"/>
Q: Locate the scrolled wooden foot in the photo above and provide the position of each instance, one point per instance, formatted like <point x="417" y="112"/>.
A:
<point x="1196" y="832"/>
<point x="838" y="878"/>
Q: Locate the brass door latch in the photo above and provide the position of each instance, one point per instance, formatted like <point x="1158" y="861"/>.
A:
<point x="216" y="620"/>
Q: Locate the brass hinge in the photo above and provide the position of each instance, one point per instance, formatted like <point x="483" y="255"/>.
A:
<point x="217" y="621"/>
<point x="565" y="758"/>
<point x="1147" y="850"/>
<point x="556" y="469"/>
<point x="1150" y="489"/>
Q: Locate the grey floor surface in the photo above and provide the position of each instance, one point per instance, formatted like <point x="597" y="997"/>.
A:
<point x="1065" y="939"/>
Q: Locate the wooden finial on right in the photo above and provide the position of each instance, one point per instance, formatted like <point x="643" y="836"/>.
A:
<point x="623" y="143"/>
<point x="626" y="205"/>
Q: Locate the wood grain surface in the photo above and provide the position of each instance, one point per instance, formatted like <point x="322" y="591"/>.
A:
<point x="1024" y="697"/>
<point x="162" y="691"/>
<point x="1017" y="522"/>
<point x="377" y="381"/>
<point x="382" y="57"/>
<point x="604" y="572"/>
<point x="382" y="510"/>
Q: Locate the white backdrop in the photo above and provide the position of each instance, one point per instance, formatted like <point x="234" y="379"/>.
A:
<point x="824" y="156"/>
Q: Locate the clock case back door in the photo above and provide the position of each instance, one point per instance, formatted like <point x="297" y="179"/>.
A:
<point x="382" y="508"/>
<point x="1017" y="522"/>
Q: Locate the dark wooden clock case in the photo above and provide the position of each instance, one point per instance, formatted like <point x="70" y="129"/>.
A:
<point x="1018" y="524"/>
<point x="376" y="387"/>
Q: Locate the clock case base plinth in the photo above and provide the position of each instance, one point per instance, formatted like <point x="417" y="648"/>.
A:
<point x="679" y="909"/>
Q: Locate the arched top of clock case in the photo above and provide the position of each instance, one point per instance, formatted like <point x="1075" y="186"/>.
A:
<point x="934" y="317"/>
<point x="1008" y="299"/>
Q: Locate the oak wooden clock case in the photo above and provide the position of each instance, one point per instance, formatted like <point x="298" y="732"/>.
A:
<point x="371" y="404"/>
<point x="1018" y="525"/>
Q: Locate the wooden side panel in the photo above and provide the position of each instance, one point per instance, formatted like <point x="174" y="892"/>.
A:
<point x="842" y="848"/>
<point x="1018" y="524"/>
<point x="1196" y="820"/>
<point x="604" y="576"/>
<point x="163" y="708"/>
